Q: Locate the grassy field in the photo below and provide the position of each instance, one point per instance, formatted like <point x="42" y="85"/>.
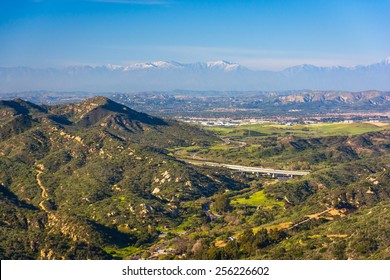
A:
<point x="122" y="253"/>
<point x="310" y="130"/>
<point x="257" y="199"/>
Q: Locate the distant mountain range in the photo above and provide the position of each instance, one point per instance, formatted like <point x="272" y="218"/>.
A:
<point x="218" y="75"/>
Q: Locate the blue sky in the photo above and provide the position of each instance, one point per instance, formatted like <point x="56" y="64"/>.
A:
<point x="261" y="34"/>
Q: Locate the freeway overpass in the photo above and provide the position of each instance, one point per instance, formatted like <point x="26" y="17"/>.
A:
<point x="253" y="170"/>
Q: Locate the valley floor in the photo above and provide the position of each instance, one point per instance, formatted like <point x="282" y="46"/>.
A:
<point x="308" y="217"/>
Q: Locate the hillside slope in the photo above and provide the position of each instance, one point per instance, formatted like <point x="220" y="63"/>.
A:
<point x="82" y="177"/>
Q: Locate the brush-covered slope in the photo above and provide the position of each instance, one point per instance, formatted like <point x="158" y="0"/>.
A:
<point x="78" y="178"/>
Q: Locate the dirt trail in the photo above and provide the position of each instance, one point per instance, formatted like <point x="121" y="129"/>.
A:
<point x="44" y="194"/>
<point x="43" y="206"/>
<point x="311" y="217"/>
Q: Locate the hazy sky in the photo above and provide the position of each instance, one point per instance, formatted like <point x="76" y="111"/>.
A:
<point x="257" y="34"/>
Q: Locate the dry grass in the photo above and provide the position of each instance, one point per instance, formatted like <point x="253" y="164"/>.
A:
<point x="220" y="243"/>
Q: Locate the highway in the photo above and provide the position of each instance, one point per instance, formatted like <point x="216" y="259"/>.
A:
<point x="248" y="169"/>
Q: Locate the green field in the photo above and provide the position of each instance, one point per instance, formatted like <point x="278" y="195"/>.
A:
<point x="257" y="199"/>
<point x="122" y="253"/>
<point x="308" y="130"/>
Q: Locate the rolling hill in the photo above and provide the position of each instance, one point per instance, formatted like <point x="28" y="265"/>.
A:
<point x="80" y="177"/>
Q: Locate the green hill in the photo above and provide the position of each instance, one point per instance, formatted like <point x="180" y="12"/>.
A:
<point x="92" y="175"/>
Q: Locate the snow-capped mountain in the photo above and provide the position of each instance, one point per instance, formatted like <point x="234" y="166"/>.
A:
<point x="223" y="65"/>
<point x="386" y="61"/>
<point x="154" y="65"/>
<point x="220" y="65"/>
<point x="214" y="75"/>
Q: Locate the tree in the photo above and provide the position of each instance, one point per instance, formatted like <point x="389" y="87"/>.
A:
<point x="222" y="203"/>
<point x="261" y="238"/>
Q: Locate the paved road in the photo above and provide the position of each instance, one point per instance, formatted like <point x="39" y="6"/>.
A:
<point x="249" y="169"/>
<point x="228" y="142"/>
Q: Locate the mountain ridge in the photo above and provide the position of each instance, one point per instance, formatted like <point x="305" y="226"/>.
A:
<point x="76" y="183"/>
<point x="217" y="75"/>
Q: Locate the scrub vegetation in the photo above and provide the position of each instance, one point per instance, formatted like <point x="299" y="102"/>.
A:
<point x="98" y="180"/>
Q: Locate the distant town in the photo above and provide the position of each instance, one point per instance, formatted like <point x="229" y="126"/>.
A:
<point x="288" y="121"/>
<point x="239" y="108"/>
